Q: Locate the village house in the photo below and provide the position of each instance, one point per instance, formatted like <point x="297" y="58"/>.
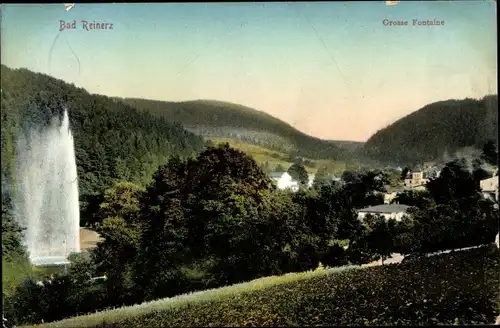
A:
<point x="284" y="180"/>
<point x="418" y="178"/>
<point x="428" y="166"/>
<point x="389" y="197"/>
<point x="336" y="179"/>
<point x="310" y="180"/>
<point x="489" y="187"/>
<point x="392" y="211"/>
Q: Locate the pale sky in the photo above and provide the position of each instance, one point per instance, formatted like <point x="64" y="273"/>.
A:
<point x="332" y="70"/>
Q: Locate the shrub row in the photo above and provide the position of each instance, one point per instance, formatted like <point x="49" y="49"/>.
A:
<point x="453" y="288"/>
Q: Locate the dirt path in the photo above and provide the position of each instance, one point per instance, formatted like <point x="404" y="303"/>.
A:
<point x="88" y="239"/>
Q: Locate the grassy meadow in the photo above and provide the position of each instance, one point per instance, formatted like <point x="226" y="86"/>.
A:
<point x="14" y="272"/>
<point x="452" y="288"/>
<point x="274" y="158"/>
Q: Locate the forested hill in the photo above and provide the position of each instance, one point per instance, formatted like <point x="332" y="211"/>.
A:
<point x="437" y="129"/>
<point x="212" y="118"/>
<point x="112" y="140"/>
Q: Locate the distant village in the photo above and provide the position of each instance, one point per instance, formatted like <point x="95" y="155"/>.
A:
<point x="416" y="179"/>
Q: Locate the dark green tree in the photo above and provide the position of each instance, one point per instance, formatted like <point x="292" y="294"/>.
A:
<point x="490" y="152"/>
<point x="380" y="236"/>
<point x="120" y="228"/>
<point x="479" y="173"/>
<point x="365" y="188"/>
<point x="298" y="172"/>
<point x="404" y="173"/>
<point x="454" y="183"/>
<point x="418" y="198"/>
<point x="322" y="178"/>
<point x="114" y="257"/>
<point x="12" y="247"/>
<point x="404" y="239"/>
<point x="203" y="211"/>
<point x="455" y="224"/>
<point x="122" y="200"/>
<point x="165" y="243"/>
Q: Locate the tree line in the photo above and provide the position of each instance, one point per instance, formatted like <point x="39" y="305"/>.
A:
<point x="217" y="219"/>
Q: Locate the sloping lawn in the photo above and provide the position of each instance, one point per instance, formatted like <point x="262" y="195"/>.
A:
<point x="452" y="288"/>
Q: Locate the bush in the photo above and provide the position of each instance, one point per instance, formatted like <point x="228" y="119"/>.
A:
<point x="445" y="289"/>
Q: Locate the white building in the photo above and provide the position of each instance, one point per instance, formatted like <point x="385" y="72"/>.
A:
<point x="389" y="197"/>
<point x="284" y="180"/>
<point x="310" y="180"/>
<point x="392" y="211"/>
<point x="489" y="187"/>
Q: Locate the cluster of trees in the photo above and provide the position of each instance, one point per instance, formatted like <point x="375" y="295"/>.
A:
<point x="436" y="129"/>
<point x="451" y="213"/>
<point x="490" y="153"/>
<point x="217" y="219"/>
<point x="113" y="141"/>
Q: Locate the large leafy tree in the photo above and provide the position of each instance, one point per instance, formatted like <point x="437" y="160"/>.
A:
<point x="203" y="210"/>
<point x="418" y="198"/>
<point x="454" y="183"/>
<point x="115" y="254"/>
<point x="120" y="229"/>
<point x="298" y="172"/>
<point x="490" y="152"/>
<point x="122" y="200"/>
<point x="435" y="228"/>
<point x="322" y="178"/>
<point x="380" y="236"/>
<point x="405" y="241"/>
<point x="164" y="241"/>
<point x="365" y="188"/>
<point x="224" y="188"/>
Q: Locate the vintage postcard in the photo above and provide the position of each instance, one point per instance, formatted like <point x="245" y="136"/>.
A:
<point x="253" y="163"/>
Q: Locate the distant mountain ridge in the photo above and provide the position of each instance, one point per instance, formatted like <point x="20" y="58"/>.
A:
<point x="436" y="131"/>
<point x="212" y="118"/>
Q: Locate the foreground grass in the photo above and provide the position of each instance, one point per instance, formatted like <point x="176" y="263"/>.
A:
<point x="458" y="287"/>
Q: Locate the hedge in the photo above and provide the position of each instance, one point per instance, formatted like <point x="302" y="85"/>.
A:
<point x="453" y="288"/>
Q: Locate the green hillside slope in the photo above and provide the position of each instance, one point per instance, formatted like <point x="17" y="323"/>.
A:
<point x="112" y="140"/>
<point x="439" y="128"/>
<point x="211" y="118"/>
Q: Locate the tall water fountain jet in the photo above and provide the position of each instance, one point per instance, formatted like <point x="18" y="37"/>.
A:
<point x="47" y="202"/>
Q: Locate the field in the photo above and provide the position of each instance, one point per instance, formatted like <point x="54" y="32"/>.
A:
<point x="452" y="288"/>
<point x="15" y="272"/>
<point x="262" y="155"/>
